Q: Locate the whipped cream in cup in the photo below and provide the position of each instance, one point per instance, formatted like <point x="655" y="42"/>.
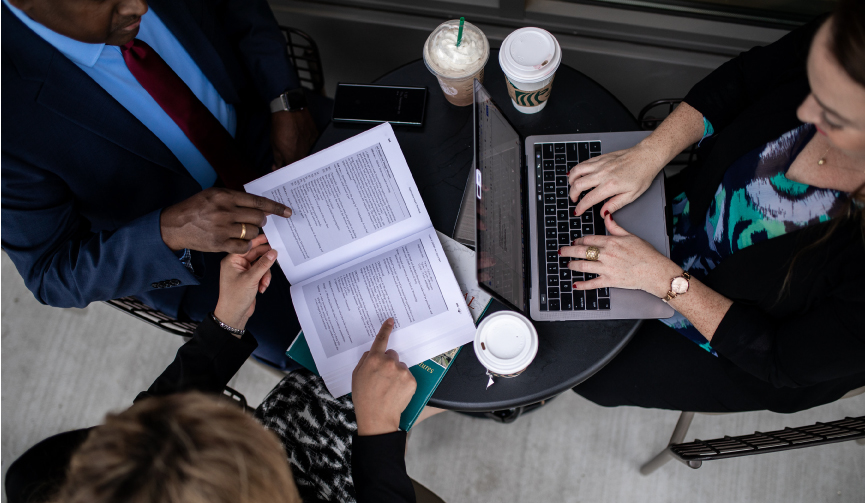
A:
<point x="457" y="67"/>
<point x="505" y="343"/>
<point x="529" y="58"/>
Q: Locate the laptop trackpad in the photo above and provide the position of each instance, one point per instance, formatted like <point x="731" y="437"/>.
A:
<point x="645" y="216"/>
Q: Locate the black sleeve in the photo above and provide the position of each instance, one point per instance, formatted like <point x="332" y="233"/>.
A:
<point x="205" y="363"/>
<point x="41" y="471"/>
<point x="821" y="344"/>
<point x="251" y="26"/>
<point x="379" y="468"/>
<point x="732" y="87"/>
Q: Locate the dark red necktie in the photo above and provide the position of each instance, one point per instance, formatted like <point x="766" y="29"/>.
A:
<point x="190" y="114"/>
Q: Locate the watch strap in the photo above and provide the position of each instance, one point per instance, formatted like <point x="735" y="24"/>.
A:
<point x="292" y="100"/>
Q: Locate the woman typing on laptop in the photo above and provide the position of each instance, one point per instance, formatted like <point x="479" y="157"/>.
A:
<point x="766" y="270"/>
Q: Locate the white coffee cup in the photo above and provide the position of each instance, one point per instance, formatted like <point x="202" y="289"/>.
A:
<point x="529" y="58"/>
<point x="505" y="343"/>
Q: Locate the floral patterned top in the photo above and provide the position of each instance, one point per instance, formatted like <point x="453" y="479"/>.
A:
<point x="755" y="202"/>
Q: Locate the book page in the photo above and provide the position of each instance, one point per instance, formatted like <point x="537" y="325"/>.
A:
<point x="347" y="200"/>
<point x="341" y="311"/>
<point x="350" y="306"/>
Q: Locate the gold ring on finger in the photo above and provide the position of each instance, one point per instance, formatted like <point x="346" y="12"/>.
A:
<point x="592" y="253"/>
<point x="243" y="230"/>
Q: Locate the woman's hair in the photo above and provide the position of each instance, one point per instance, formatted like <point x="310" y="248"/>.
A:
<point x="846" y="46"/>
<point x="187" y="448"/>
<point x="846" y="37"/>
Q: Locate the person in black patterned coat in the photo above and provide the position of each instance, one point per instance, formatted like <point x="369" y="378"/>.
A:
<point x="173" y="445"/>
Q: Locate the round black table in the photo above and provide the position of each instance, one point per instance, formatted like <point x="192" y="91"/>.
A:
<point x="439" y="155"/>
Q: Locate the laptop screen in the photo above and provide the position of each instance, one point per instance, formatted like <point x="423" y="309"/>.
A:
<point x="499" y="216"/>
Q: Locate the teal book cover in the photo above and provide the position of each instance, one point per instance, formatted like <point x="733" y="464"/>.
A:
<point x="427" y="374"/>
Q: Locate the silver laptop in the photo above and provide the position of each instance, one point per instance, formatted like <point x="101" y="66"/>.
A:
<point x="524" y="215"/>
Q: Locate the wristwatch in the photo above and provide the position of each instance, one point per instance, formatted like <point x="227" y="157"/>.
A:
<point x="292" y="100"/>
<point x="679" y="286"/>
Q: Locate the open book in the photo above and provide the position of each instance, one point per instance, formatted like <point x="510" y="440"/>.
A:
<point x="360" y="248"/>
<point x="428" y="374"/>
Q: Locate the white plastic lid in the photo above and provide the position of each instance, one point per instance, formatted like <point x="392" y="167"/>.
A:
<point x="505" y="342"/>
<point x="529" y="55"/>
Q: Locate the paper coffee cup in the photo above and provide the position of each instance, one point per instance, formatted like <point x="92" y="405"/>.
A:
<point x="456" y="67"/>
<point x="529" y="58"/>
<point x="505" y="343"/>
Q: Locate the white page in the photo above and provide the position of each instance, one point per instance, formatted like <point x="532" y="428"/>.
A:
<point x="342" y="310"/>
<point x="347" y="200"/>
<point x="462" y="260"/>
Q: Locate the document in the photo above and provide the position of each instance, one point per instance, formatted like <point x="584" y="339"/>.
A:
<point x="348" y="199"/>
<point x="352" y="304"/>
<point x="358" y="249"/>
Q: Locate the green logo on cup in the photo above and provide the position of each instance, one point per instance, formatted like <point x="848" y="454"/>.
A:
<point x="529" y="98"/>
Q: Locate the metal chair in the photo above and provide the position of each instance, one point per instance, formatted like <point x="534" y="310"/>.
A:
<point x="693" y="454"/>
<point x="304" y="54"/>
<point x="652" y="115"/>
<point x="153" y="317"/>
<point x="162" y="321"/>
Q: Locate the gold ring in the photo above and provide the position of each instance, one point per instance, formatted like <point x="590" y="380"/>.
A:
<point x="244" y="231"/>
<point x="592" y="253"/>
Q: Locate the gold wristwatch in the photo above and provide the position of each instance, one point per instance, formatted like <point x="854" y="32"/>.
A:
<point x="679" y="286"/>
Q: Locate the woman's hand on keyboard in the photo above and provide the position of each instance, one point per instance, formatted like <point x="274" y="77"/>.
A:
<point x="619" y="176"/>
<point x="624" y="175"/>
<point x="624" y="261"/>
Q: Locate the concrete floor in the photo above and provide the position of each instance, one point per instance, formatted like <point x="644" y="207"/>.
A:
<point x="65" y="368"/>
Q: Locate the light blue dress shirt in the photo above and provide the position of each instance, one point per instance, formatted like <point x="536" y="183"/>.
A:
<point x="105" y="65"/>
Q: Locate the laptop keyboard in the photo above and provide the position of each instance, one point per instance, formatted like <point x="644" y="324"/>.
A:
<point x="559" y="227"/>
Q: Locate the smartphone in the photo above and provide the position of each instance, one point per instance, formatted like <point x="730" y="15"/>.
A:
<point x="371" y="103"/>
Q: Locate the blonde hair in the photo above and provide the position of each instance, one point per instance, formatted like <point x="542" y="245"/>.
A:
<point x="187" y="448"/>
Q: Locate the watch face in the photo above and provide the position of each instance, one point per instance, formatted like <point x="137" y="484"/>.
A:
<point x="679" y="285"/>
<point x="296" y="99"/>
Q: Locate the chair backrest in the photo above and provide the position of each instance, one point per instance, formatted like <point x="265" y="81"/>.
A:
<point x="151" y="316"/>
<point x="693" y="453"/>
<point x="304" y="54"/>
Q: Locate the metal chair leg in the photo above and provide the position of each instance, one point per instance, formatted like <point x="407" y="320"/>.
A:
<point x="679" y="434"/>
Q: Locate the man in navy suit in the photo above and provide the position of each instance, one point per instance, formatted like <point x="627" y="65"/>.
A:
<point x="103" y="193"/>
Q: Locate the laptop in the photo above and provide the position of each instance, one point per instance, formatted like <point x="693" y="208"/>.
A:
<point x="524" y="215"/>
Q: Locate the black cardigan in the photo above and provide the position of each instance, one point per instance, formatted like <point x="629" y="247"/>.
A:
<point x="206" y="363"/>
<point x="813" y="334"/>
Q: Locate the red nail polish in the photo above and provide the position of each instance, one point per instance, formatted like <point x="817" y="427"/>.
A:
<point x="559" y="252"/>
<point x="574" y="285"/>
<point x="575" y="212"/>
<point x="605" y="213"/>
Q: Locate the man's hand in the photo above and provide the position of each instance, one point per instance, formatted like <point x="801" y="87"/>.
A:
<point x="241" y="278"/>
<point x="214" y="220"/>
<point x="292" y="136"/>
<point x="382" y="386"/>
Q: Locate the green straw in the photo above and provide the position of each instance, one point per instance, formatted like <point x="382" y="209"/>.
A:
<point x="460" y="31"/>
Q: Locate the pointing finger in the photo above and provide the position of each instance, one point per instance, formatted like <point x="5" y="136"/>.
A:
<point x="264" y="204"/>
<point x="380" y="343"/>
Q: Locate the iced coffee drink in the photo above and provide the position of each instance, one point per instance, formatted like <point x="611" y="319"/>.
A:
<point x="456" y="66"/>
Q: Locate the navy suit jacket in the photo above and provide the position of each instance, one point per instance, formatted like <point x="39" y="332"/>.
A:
<point x="84" y="182"/>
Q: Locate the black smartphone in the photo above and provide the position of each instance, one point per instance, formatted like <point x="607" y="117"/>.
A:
<point x="371" y="103"/>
